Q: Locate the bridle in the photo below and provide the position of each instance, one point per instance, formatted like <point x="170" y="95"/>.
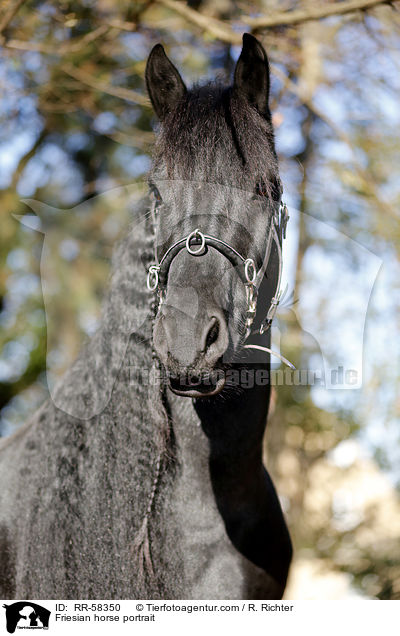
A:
<point x="196" y="244"/>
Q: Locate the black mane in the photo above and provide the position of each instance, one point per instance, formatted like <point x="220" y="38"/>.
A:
<point x="214" y="135"/>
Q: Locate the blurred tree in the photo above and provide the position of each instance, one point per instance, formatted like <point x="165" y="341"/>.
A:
<point x="75" y="122"/>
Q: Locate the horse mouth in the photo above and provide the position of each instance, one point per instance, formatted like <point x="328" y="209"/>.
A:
<point x="196" y="386"/>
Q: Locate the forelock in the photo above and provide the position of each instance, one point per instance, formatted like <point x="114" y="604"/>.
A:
<point x="214" y="135"/>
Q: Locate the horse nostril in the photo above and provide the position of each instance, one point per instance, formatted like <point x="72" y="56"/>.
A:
<point x="213" y="334"/>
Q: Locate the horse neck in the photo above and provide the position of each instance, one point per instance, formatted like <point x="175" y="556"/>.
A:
<point x="234" y="422"/>
<point x="223" y="434"/>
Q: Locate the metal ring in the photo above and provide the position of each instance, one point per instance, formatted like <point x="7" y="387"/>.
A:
<point x="247" y="264"/>
<point x="200" y="250"/>
<point x="152" y="278"/>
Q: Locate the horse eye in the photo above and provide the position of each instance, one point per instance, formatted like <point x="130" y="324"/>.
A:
<point x="155" y="192"/>
<point x="274" y="190"/>
<point x="261" y="189"/>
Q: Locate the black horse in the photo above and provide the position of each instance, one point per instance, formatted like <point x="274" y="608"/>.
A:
<point x="163" y="493"/>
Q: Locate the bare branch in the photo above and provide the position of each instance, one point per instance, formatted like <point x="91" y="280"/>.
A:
<point x="138" y="139"/>
<point x="10" y="14"/>
<point x="72" y="46"/>
<point x="23" y="45"/>
<point x="223" y="31"/>
<point x="311" y="13"/>
<point x="122" y="25"/>
<point x="220" y="30"/>
<point x="117" y="91"/>
<point x="27" y="157"/>
<point x="79" y="43"/>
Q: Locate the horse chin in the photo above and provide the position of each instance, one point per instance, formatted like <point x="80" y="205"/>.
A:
<point x="204" y="387"/>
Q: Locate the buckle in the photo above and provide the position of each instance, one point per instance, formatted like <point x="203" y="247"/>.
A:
<point x="284" y="219"/>
<point x="152" y="277"/>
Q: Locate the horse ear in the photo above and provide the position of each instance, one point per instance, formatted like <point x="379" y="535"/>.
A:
<point x="164" y="84"/>
<point x="252" y="74"/>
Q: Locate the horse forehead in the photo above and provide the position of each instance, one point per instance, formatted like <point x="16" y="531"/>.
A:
<point x="198" y="189"/>
<point x="196" y="198"/>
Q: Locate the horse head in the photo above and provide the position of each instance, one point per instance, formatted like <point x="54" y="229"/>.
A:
<point x="216" y="192"/>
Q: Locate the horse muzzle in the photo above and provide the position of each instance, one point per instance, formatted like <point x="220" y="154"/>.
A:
<point x="197" y="385"/>
<point x="191" y="351"/>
